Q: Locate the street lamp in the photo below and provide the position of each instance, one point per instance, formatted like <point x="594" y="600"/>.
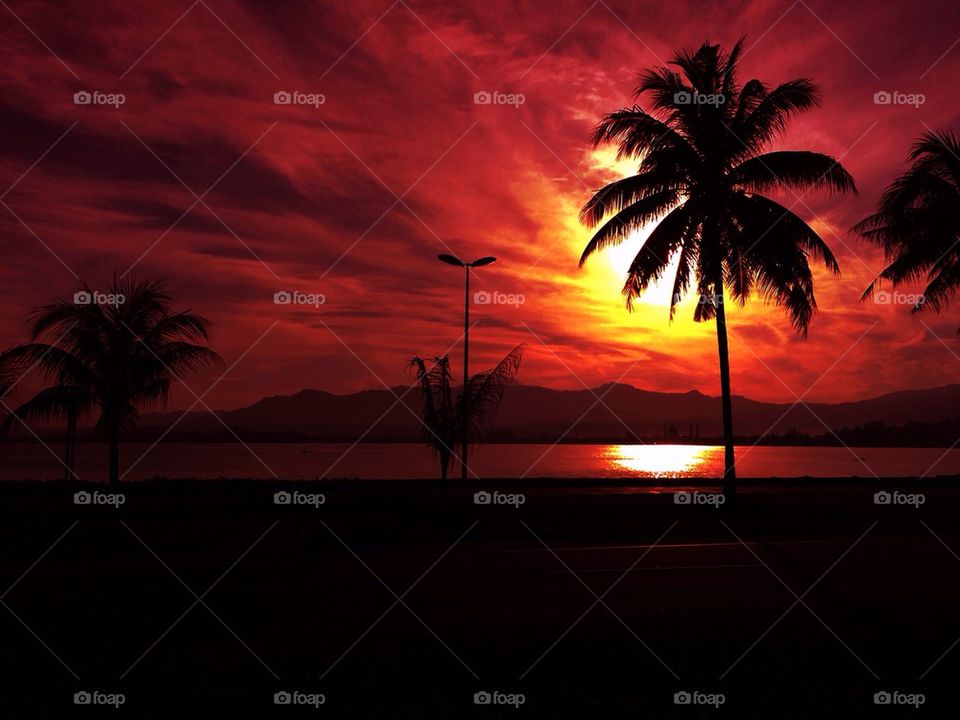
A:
<point x="452" y="260"/>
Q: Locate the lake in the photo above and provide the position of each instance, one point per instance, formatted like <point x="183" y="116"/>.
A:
<point x="408" y="461"/>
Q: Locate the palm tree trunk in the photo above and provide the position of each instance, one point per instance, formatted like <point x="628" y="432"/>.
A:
<point x="729" y="473"/>
<point x="114" y="453"/>
<point x="68" y="472"/>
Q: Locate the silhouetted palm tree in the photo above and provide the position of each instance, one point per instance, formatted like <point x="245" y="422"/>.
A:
<point x="702" y="167"/>
<point x="439" y="409"/>
<point x="917" y="222"/>
<point x="68" y="402"/>
<point x="442" y="413"/>
<point x="114" y="357"/>
<point x="9" y="376"/>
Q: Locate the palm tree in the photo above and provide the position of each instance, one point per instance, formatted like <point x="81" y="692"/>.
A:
<point x="703" y="165"/>
<point x="442" y="413"/>
<point x="917" y="222"/>
<point x="69" y="402"/>
<point x="439" y="409"/>
<point x="9" y="377"/>
<point x="114" y="357"/>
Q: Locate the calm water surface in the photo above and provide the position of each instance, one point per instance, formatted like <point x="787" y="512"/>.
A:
<point x="405" y="461"/>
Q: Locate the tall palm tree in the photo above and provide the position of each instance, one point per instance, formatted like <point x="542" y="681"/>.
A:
<point x="917" y="222"/>
<point x="703" y="165"/>
<point x="442" y="413"/>
<point x="114" y="357"/>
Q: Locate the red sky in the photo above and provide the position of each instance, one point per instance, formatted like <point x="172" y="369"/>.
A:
<point x="354" y="198"/>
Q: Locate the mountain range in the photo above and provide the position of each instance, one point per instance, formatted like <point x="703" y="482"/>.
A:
<point x="609" y="413"/>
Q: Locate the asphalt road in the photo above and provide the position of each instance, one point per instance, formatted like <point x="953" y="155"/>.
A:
<point x="206" y="603"/>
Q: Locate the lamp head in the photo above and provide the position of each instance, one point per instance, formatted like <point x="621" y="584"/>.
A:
<point x="450" y="260"/>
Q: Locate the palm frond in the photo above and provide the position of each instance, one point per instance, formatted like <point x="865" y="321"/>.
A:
<point x="438" y="414"/>
<point x="917" y="222"/>
<point x="770" y="114"/>
<point x="633" y="217"/>
<point x="620" y="194"/>
<point x="483" y="393"/>
<point x="653" y="258"/>
<point x="798" y="169"/>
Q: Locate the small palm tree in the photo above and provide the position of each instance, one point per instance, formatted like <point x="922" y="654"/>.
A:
<point x="114" y="357"/>
<point x="439" y="409"/>
<point x="68" y="402"/>
<point x="917" y="222"/>
<point x="443" y="414"/>
<point x="702" y="169"/>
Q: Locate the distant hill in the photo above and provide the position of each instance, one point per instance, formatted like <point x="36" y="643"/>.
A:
<point x="609" y="413"/>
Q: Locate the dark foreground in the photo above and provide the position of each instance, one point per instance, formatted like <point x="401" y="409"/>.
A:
<point x="404" y="600"/>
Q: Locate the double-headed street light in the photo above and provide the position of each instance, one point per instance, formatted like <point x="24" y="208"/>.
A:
<point x="452" y="260"/>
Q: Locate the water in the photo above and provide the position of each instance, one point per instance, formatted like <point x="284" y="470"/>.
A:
<point x="405" y="461"/>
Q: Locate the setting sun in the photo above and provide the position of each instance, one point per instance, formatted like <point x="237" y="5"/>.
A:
<point x="667" y="460"/>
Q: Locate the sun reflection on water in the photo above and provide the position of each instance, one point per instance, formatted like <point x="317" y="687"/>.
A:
<point x="664" y="460"/>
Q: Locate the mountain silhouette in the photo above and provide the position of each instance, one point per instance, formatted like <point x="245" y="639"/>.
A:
<point x="539" y="414"/>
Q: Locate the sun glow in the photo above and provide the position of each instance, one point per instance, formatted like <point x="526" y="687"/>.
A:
<point x="620" y="257"/>
<point x="617" y="259"/>
<point x="664" y="460"/>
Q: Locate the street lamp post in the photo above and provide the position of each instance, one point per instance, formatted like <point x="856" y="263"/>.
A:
<point x="464" y="430"/>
